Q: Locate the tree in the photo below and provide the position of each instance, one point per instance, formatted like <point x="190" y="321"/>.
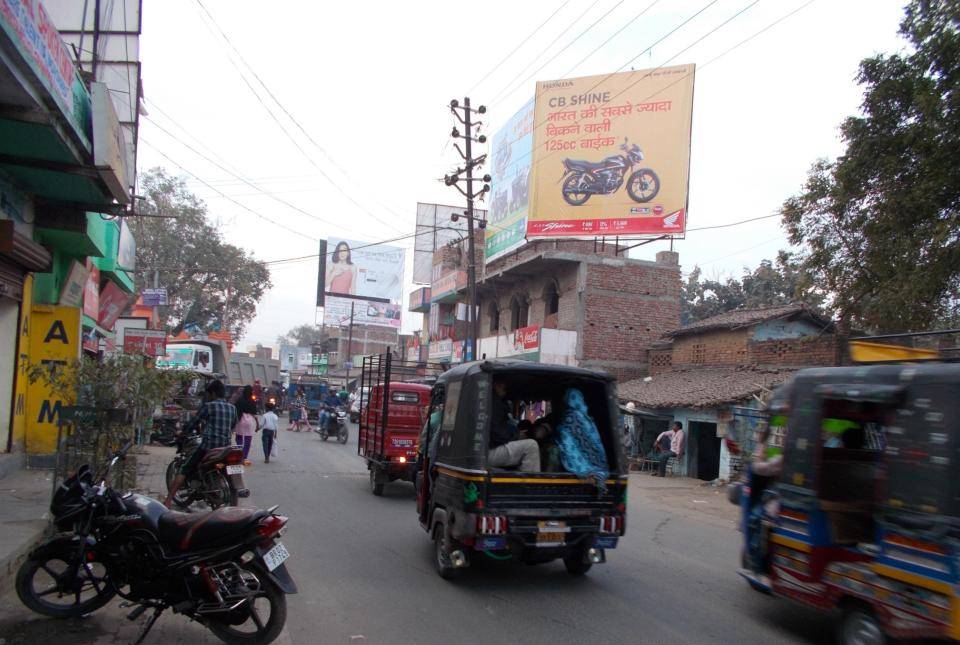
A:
<point x="210" y="284"/>
<point x="772" y="283"/>
<point x="301" y="336"/>
<point x="880" y="226"/>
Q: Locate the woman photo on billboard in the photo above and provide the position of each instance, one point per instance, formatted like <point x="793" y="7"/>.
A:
<point x="341" y="271"/>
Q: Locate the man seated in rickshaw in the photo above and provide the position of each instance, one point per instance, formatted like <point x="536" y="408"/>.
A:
<point x="506" y="448"/>
<point x="766" y="466"/>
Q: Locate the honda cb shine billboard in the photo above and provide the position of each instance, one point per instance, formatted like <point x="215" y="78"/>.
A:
<point x="611" y="154"/>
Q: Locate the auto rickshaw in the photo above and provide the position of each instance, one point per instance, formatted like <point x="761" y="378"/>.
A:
<point x="473" y="510"/>
<point x="868" y="523"/>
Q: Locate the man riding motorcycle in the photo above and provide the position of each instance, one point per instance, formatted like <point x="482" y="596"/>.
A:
<point x="218" y="418"/>
<point x="328" y="412"/>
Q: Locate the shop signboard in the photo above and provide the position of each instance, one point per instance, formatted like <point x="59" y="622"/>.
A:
<point x="91" y="292"/>
<point x="336" y="312"/>
<point x="440" y="350"/>
<point x="55" y="337"/>
<point x="34" y="35"/>
<point x="71" y="293"/>
<point x="146" y="342"/>
<point x="154" y="297"/>
<point x="110" y="158"/>
<point x="126" y="248"/>
<point x="113" y="301"/>
<point x="510" y="186"/>
<point x="611" y="155"/>
<point x="363" y="271"/>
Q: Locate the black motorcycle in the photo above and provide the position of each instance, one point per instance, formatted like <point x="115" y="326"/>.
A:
<point x="581" y="179"/>
<point x="224" y="569"/>
<point x="217" y="480"/>
<point x="336" y="425"/>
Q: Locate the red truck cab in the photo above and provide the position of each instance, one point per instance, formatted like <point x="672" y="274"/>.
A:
<point x="390" y="423"/>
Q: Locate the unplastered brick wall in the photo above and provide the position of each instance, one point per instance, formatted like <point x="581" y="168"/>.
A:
<point x="726" y="347"/>
<point x="660" y="360"/>
<point x="627" y="305"/>
<point x="533" y="290"/>
<point x="809" y="350"/>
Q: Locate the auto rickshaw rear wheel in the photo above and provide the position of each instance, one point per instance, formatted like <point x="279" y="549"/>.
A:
<point x="859" y="626"/>
<point x="376" y="487"/>
<point x="576" y="563"/>
<point x="445" y="567"/>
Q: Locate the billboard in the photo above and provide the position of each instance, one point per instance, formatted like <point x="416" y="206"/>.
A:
<point x="362" y="270"/>
<point x="612" y="154"/>
<point x="434" y="230"/>
<point x="336" y="312"/>
<point x="510" y="186"/>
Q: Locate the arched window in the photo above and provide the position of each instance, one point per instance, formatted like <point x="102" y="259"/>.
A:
<point x="519" y="312"/>
<point x="551" y="299"/>
<point x="494" y="312"/>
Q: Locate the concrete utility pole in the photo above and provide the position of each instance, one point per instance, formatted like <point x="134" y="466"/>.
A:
<point x="454" y="179"/>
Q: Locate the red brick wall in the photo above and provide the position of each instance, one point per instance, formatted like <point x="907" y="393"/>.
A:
<point x="810" y="350"/>
<point x="626" y="307"/>
<point x="660" y="360"/>
<point x="712" y="348"/>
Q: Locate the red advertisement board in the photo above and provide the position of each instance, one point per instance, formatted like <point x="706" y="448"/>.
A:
<point x="148" y="342"/>
<point x="112" y="303"/>
<point x="526" y="339"/>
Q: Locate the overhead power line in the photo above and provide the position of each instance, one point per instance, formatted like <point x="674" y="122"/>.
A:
<point x="287" y="112"/>
<point x="227" y="197"/>
<point x="521" y="44"/>
<point x="240" y="177"/>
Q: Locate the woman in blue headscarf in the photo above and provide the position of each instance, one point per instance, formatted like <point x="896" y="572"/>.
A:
<point x="581" y="449"/>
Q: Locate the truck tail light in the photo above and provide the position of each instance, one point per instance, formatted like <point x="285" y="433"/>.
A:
<point x="611" y="524"/>
<point x="491" y="524"/>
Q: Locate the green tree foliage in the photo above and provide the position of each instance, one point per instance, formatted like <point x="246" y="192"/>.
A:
<point x="301" y="336"/>
<point x="210" y="284"/>
<point x="880" y="226"/>
<point x="772" y="283"/>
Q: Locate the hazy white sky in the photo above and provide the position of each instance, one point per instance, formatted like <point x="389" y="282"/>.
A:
<point x="370" y="83"/>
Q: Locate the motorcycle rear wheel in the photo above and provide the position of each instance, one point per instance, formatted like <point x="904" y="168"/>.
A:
<point x="643" y="185"/>
<point x="257" y="631"/>
<point x="571" y="193"/>
<point x="224" y="495"/>
<point x="90" y="590"/>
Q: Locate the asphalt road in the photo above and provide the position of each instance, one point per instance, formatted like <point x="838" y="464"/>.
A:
<point x="364" y="568"/>
<point x="365" y="572"/>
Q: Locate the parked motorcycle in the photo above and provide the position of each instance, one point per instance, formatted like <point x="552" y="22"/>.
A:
<point x="224" y="568"/>
<point x="166" y="424"/>
<point x="581" y="179"/>
<point x="335" y="428"/>
<point x="218" y="479"/>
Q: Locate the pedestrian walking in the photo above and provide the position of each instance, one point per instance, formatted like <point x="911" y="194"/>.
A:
<point x="269" y="426"/>
<point x="247" y="424"/>
<point x="300" y="405"/>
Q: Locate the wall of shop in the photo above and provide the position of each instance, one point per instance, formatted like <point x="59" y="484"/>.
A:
<point x="9" y="317"/>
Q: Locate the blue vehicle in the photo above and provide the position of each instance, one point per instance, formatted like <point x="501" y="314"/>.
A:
<point x="864" y="519"/>
<point x="314" y="391"/>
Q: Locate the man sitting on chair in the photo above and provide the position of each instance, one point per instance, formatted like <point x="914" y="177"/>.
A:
<point x="676" y="438"/>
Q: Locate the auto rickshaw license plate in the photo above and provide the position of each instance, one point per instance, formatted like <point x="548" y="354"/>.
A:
<point x="552" y="533"/>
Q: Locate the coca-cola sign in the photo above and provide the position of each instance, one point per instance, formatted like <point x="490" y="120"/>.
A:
<point x="526" y="339"/>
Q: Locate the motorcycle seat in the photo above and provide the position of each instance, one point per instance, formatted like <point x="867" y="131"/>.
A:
<point x="215" y="455"/>
<point x="186" y="531"/>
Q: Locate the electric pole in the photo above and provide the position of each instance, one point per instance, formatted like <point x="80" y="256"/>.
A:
<point x="454" y="179"/>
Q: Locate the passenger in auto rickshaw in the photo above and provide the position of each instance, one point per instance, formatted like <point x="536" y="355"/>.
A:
<point x="766" y="466"/>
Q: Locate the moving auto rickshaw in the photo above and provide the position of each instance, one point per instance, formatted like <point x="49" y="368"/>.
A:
<point x="868" y="522"/>
<point x="474" y="510"/>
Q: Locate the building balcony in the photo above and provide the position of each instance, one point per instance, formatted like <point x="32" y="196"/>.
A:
<point x="420" y="301"/>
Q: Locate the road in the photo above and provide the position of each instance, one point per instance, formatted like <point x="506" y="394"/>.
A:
<point x="365" y="572"/>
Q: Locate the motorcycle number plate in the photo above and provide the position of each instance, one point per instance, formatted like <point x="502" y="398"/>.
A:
<point x="235" y="469"/>
<point x="275" y="556"/>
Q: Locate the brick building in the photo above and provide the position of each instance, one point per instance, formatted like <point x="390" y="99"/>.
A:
<point x="572" y="302"/>
<point x="713" y="374"/>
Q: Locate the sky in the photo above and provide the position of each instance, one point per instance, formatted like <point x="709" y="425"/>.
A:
<point x="363" y="89"/>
